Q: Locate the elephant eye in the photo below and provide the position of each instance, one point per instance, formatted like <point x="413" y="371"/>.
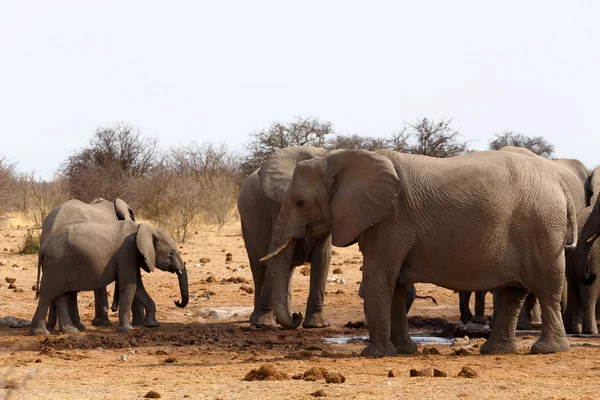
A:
<point x="300" y="204"/>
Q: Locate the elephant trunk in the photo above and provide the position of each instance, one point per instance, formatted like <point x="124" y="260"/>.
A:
<point x="281" y="271"/>
<point x="183" y="287"/>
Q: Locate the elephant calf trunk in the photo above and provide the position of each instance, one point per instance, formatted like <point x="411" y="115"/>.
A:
<point x="183" y="288"/>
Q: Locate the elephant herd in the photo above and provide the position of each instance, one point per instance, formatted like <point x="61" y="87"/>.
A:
<point x="505" y="221"/>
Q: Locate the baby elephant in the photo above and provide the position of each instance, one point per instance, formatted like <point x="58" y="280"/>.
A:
<point x="89" y="255"/>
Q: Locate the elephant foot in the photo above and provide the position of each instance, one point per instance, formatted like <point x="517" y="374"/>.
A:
<point x="124" y="328"/>
<point x="81" y="326"/>
<point x="101" y="321"/>
<point x="491" y="346"/>
<point x="466" y="317"/>
<point x="150" y="322"/>
<point x="379" y="350"/>
<point x="404" y="346"/>
<point x="547" y="346"/>
<point x="479" y="319"/>
<point x="69" y="330"/>
<point x="316" y="320"/>
<point x="262" y="318"/>
<point x="40" y="330"/>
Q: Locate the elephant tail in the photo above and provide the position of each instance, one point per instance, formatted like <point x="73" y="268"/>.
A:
<point x="39" y="270"/>
<point x="571" y="218"/>
<point x="428" y="297"/>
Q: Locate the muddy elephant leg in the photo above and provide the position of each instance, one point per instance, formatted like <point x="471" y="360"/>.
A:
<point x="409" y="297"/>
<point x="62" y="311"/>
<point x="319" y="268"/>
<point x="262" y="315"/>
<point x="101" y="307"/>
<point x="38" y="322"/>
<point x="142" y="301"/>
<point x="479" y="317"/>
<point x="502" y="339"/>
<point x="51" y="317"/>
<point x="74" y="311"/>
<point x="464" y="299"/>
<point x="127" y="288"/>
<point x="399" y="322"/>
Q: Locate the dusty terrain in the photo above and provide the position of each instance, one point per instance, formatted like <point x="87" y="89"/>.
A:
<point x="206" y="350"/>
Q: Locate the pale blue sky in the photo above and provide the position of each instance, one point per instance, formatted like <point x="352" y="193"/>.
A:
<point x="216" y="71"/>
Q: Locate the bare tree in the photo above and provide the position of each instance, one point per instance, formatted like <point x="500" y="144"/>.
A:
<point x="537" y="144"/>
<point x="430" y="138"/>
<point x="7" y="185"/>
<point x="115" y="156"/>
<point x="37" y="198"/>
<point x="301" y="132"/>
<point x="358" y="142"/>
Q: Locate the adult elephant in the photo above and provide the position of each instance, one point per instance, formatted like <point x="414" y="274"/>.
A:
<point x="259" y="203"/>
<point x="584" y="289"/>
<point x="472" y="222"/>
<point x="74" y="211"/>
<point x="577" y="180"/>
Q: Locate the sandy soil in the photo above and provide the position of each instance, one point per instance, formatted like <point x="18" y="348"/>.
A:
<point x="206" y="350"/>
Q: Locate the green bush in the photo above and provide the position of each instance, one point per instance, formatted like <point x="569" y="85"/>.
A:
<point x="31" y="243"/>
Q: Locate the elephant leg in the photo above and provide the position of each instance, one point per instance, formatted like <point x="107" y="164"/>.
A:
<point x="409" y="297"/>
<point x="588" y="298"/>
<point x="502" y="339"/>
<point x="127" y="288"/>
<point x="74" y="311"/>
<point x="378" y="291"/>
<point x="38" y="322"/>
<point x="142" y="301"/>
<point x="101" y="307"/>
<point x="523" y="323"/>
<point x="62" y="311"/>
<point x="51" y="316"/>
<point x="549" y="292"/>
<point x="262" y="315"/>
<point x="573" y="316"/>
<point x="463" y="303"/>
<point x="479" y="317"/>
<point x="319" y="268"/>
<point x="496" y="305"/>
<point x="399" y="322"/>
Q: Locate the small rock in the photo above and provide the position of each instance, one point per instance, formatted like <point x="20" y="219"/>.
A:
<point x="319" y="393"/>
<point x="335" y="377"/>
<point x="431" y="350"/>
<point x="338" y="271"/>
<point x="123" y="357"/>
<point x="305" y="271"/>
<point x="229" y="255"/>
<point x="314" y="374"/>
<point x="152" y="395"/>
<point x="15" y="266"/>
<point x="223" y="250"/>
<point x="334" y="253"/>
<point x="266" y="372"/>
<point x="170" y="360"/>
<point x="394" y="373"/>
<point x="34" y="288"/>
<point x="526" y="337"/>
<point x="11" y="280"/>
<point x="13" y="322"/>
<point x="421" y="372"/>
<point x="340" y="291"/>
<point x="197" y="265"/>
<point x="438" y="373"/>
<point x="387" y="383"/>
<point x="25" y="268"/>
<point x="247" y="288"/>
<point x="204" y="260"/>
<point x="467" y="372"/>
<point x="210" y="279"/>
<point x="5" y="249"/>
<point x="3" y="262"/>
<point x="461" y="352"/>
<point x="355" y="325"/>
<point x="161" y="353"/>
<point x="18" y="290"/>
<point x="12" y="286"/>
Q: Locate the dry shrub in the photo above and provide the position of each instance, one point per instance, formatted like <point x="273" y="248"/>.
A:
<point x="7" y="185"/>
<point x="31" y="243"/>
<point x="37" y="198"/>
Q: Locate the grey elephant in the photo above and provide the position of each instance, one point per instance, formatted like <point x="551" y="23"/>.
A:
<point x="99" y="209"/>
<point x="584" y="289"/>
<point x="259" y="203"/>
<point x="470" y="223"/>
<point x="577" y="180"/>
<point x="90" y="255"/>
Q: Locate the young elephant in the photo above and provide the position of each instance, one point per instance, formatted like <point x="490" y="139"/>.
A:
<point x="475" y="222"/>
<point x="89" y="255"/>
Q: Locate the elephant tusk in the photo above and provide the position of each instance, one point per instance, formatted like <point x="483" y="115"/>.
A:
<point x="277" y="250"/>
<point x="592" y="238"/>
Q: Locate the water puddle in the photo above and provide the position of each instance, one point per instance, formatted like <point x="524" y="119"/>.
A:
<point x="416" y="339"/>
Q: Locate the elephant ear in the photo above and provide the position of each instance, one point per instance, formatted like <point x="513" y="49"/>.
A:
<point x="145" y="241"/>
<point x="365" y="187"/>
<point x="123" y="211"/>
<point x="276" y="173"/>
<point x="594" y="186"/>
